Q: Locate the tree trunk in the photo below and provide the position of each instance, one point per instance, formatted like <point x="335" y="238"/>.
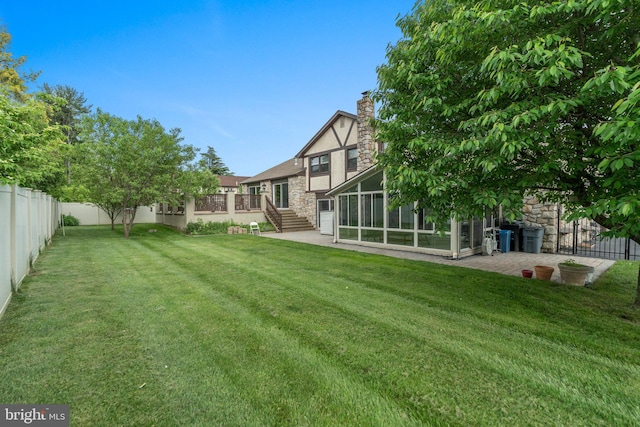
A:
<point x="124" y="223"/>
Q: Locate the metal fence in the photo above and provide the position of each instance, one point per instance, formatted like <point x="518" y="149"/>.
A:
<point x="584" y="238"/>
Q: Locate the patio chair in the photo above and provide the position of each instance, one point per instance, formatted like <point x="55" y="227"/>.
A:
<point x="254" y="228"/>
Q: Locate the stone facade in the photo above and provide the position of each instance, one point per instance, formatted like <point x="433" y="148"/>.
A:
<point x="301" y="201"/>
<point x="544" y="215"/>
<point x="366" y="141"/>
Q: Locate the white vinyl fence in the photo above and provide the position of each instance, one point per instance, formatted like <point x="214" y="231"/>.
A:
<point x="28" y="220"/>
<point x="90" y="214"/>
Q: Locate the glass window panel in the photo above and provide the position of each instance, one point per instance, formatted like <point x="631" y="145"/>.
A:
<point x="393" y="220"/>
<point x="353" y="189"/>
<point x="478" y="232"/>
<point x="465" y="234"/>
<point x="352" y="159"/>
<point x="373" y="183"/>
<point x="365" y="215"/>
<point x="376" y="236"/>
<point x="348" y="233"/>
<point x="400" y="238"/>
<point x="353" y="210"/>
<point x="344" y="210"/>
<point x="434" y="241"/>
<point x="378" y="210"/>
<point x="406" y="217"/>
<point x="324" y="163"/>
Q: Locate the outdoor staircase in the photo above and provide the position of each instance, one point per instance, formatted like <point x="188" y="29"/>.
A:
<point x="293" y="222"/>
<point x="285" y="220"/>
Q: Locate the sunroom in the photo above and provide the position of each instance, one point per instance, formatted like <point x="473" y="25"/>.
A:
<point x="362" y="217"/>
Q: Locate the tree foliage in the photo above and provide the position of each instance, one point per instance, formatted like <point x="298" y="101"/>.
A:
<point x="214" y="163"/>
<point x="30" y="147"/>
<point x="485" y="102"/>
<point x="67" y="108"/>
<point x="130" y="163"/>
<point x="12" y="76"/>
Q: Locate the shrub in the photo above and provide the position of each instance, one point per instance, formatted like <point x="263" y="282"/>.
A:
<point x="201" y="227"/>
<point x="70" y="221"/>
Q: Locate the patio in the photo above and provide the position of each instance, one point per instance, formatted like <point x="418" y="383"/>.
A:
<point x="511" y="263"/>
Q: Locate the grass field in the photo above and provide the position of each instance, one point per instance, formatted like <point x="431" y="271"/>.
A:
<point x="238" y="330"/>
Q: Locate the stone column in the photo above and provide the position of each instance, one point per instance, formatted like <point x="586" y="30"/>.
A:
<point x="366" y="140"/>
<point x="544" y="215"/>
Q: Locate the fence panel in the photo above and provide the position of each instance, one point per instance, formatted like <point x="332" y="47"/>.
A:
<point x="5" y="246"/>
<point x="28" y="220"/>
<point x="584" y="238"/>
<point x="211" y="203"/>
<point x="247" y="202"/>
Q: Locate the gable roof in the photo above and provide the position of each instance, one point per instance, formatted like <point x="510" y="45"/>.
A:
<point x="230" y="180"/>
<point x="325" y="128"/>
<point x="291" y="167"/>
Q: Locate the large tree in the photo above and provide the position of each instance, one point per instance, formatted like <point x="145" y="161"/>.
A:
<point x="67" y="106"/>
<point x="132" y="163"/>
<point x="214" y="163"/>
<point x="12" y="76"/>
<point x="485" y="102"/>
<point x="30" y="147"/>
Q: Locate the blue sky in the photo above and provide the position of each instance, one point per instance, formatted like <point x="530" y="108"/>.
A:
<point x="253" y="79"/>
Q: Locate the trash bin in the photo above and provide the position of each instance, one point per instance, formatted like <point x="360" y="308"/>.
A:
<point x="532" y="239"/>
<point x="516" y="234"/>
<point x="505" y="240"/>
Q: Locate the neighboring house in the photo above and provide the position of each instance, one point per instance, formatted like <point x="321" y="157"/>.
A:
<point x="230" y="183"/>
<point x="228" y="204"/>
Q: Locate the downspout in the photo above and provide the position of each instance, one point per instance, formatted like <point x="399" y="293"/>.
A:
<point x="455" y="239"/>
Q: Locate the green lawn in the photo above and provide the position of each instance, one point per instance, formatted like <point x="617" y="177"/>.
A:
<point x="237" y="330"/>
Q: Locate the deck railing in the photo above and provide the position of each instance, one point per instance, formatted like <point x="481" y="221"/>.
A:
<point x="273" y="214"/>
<point x="212" y="203"/>
<point x="248" y="202"/>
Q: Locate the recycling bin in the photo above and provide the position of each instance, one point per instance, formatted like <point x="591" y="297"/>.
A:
<point x="505" y="240"/>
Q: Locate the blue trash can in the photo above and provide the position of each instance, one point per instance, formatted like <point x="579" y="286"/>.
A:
<point x="505" y="241"/>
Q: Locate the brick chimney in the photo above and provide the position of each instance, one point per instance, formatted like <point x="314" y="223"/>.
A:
<point x="366" y="141"/>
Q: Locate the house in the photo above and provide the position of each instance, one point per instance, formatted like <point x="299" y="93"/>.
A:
<point x="334" y="183"/>
<point x="230" y="203"/>
<point x="230" y="183"/>
<point x="336" y="153"/>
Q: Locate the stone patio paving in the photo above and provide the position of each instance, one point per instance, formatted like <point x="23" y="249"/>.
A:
<point x="511" y="263"/>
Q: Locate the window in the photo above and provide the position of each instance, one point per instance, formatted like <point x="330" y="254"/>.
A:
<point x="402" y="218"/>
<point x="372" y="206"/>
<point x="352" y="159"/>
<point x="349" y="210"/>
<point x="320" y="164"/>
